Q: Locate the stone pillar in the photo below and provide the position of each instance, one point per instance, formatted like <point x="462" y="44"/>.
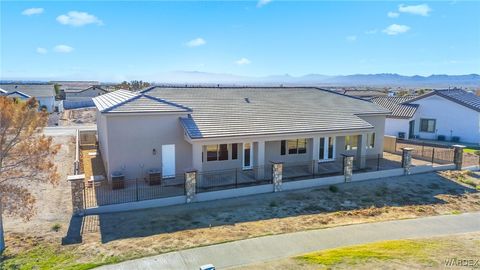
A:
<point x="315" y="153"/>
<point x="277" y="172"/>
<point x="362" y="151"/>
<point x="458" y="156"/>
<point x="190" y="185"/>
<point x="348" y="167"/>
<point x="260" y="172"/>
<point x="77" y="184"/>
<point x="407" y="159"/>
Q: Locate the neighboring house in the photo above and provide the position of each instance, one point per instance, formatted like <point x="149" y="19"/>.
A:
<point x="208" y="129"/>
<point x="74" y="97"/>
<point x="452" y="115"/>
<point x="44" y="93"/>
<point x="365" y="94"/>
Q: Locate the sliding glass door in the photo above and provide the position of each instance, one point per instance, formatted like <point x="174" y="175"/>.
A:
<point x="327" y="149"/>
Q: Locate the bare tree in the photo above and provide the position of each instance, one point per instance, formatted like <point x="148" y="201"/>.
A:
<point x="25" y="157"/>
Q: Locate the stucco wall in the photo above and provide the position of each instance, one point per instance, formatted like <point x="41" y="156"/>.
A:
<point x="394" y="126"/>
<point x="452" y="119"/>
<point x="132" y="139"/>
<point x="102" y="138"/>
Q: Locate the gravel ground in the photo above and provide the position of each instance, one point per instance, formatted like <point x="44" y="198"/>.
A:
<point x="78" y="117"/>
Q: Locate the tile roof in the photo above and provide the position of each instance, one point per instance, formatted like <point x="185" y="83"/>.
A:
<point x="459" y="96"/>
<point x="225" y="112"/>
<point x="396" y="106"/>
<point x="364" y="93"/>
<point x="124" y="101"/>
<point x="32" y="90"/>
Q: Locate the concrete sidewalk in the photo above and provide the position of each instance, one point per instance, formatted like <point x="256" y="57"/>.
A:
<point x="269" y="248"/>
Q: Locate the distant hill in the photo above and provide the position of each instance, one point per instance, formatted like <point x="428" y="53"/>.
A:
<point x="359" y="80"/>
<point x="378" y="80"/>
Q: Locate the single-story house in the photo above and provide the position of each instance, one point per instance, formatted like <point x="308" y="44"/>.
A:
<point x="80" y="97"/>
<point x="452" y="114"/>
<point x="365" y="94"/>
<point x="208" y="129"/>
<point x="44" y="93"/>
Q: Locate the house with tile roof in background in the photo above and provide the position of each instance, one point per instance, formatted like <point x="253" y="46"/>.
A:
<point x="44" y="93"/>
<point x="443" y="115"/>
<point x="209" y="129"/>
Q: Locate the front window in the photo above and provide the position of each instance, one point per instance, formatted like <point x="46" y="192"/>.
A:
<point x="427" y="125"/>
<point x="298" y="146"/>
<point x="217" y="152"/>
<point x="351" y="142"/>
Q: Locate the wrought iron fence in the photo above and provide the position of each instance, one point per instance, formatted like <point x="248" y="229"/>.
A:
<point x="375" y="163"/>
<point x="132" y="190"/>
<point x="233" y="178"/>
<point x="429" y="152"/>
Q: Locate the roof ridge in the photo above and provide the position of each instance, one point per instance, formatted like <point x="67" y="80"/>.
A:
<point x="136" y="96"/>
<point x="166" y="102"/>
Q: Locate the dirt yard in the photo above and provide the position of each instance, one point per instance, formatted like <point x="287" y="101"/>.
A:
<point x="78" y="117"/>
<point x="425" y="253"/>
<point x="120" y="236"/>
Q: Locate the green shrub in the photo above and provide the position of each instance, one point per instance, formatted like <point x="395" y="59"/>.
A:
<point x="56" y="227"/>
<point x="333" y="189"/>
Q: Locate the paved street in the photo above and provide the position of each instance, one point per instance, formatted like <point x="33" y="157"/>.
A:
<point x="268" y="248"/>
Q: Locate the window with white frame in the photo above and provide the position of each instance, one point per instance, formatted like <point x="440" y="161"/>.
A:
<point x="427" y="125"/>
<point x="217" y="152"/>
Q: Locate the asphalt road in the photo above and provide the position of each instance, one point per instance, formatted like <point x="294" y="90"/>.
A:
<point x="268" y="248"/>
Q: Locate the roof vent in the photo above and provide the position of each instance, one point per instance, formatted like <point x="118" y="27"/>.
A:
<point x="247" y="100"/>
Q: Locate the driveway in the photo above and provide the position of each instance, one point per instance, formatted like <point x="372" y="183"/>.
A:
<point x="275" y="247"/>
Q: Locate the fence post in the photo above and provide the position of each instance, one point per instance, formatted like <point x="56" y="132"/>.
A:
<point x="458" y="156"/>
<point x="190" y="185"/>
<point x="277" y="175"/>
<point x="406" y="159"/>
<point x="433" y="155"/>
<point x="347" y="167"/>
<point x="77" y="186"/>
<point x="378" y="162"/>
<point x="236" y="178"/>
<point x="136" y="189"/>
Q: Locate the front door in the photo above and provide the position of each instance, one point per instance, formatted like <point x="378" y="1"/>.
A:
<point x="168" y="160"/>
<point x="411" y="129"/>
<point x="247" y="156"/>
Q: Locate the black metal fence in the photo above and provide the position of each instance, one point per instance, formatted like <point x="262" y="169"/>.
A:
<point x="376" y="162"/>
<point x="132" y="190"/>
<point x="233" y="178"/>
<point x="429" y="152"/>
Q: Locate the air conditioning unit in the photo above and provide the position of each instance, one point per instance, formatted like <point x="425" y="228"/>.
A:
<point x="154" y="177"/>
<point x="118" y="180"/>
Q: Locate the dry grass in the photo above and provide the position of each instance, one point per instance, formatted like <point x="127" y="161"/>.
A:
<point x="428" y="253"/>
<point x="135" y="234"/>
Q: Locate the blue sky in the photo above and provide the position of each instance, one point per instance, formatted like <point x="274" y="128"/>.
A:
<point x="116" y="40"/>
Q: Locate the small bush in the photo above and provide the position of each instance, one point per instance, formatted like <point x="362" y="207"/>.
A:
<point x="273" y="204"/>
<point x="56" y="227"/>
<point x="333" y="189"/>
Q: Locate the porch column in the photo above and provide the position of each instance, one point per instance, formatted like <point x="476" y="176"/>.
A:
<point x="458" y="156"/>
<point x="315" y="153"/>
<point x="407" y="159"/>
<point x="361" y="150"/>
<point x="260" y="160"/>
<point x="197" y="149"/>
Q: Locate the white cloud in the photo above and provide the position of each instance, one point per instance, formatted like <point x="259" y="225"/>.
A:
<point x="243" y="61"/>
<point x="63" y="49"/>
<point x="352" y="38"/>
<point x="393" y="14"/>
<point x="32" y="11"/>
<point x="76" y="18"/>
<point x="196" y="42"/>
<point x="262" y="3"/>
<point x="371" y="32"/>
<point x="42" y="50"/>
<point x="396" y="29"/>
<point x="422" y="10"/>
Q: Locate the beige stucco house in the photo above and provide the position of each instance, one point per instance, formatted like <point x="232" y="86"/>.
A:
<point x="207" y="129"/>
